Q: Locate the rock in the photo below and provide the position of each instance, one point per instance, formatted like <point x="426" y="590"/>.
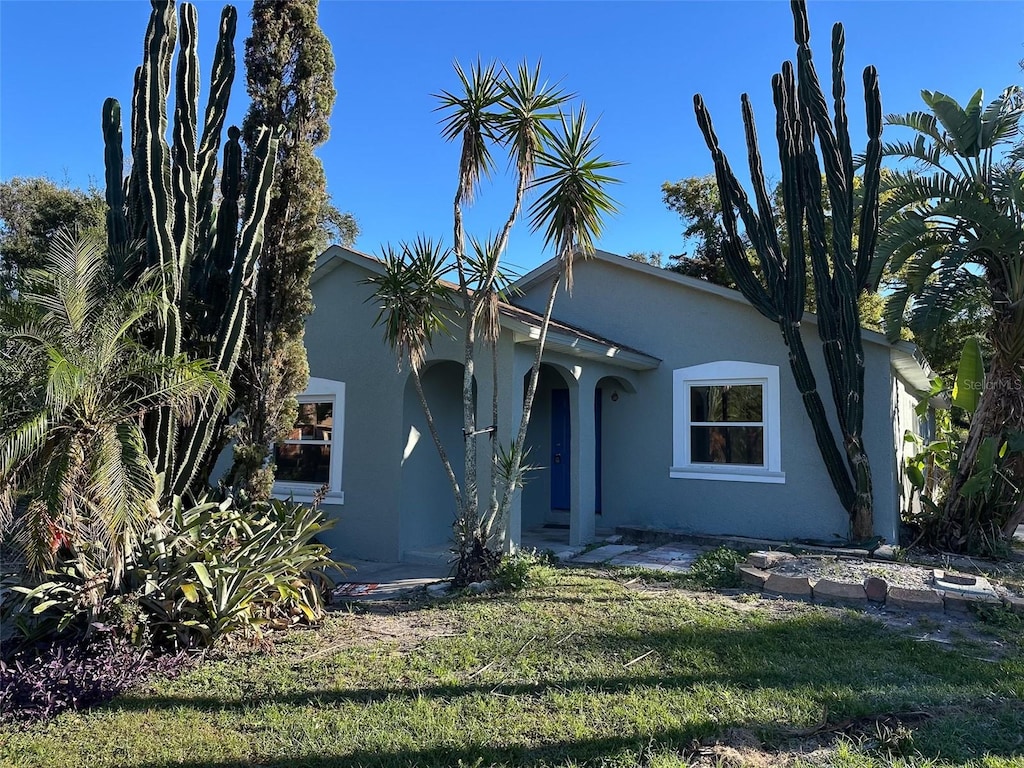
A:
<point x="885" y="552"/>
<point x="791" y="586"/>
<point x="767" y="559"/>
<point x="751" y="576"/>
<point x="565" y="554"/>
<point x="960" y="579"/>
<point x="616" y="539"/>
<point x="876" y="589"/>
<point x="962" y="601"/>
<point x="827" y="590"/>
<point x="914" y="599"/>
<point x="863" y="554"/>
<point x="479" y="587"/>
<point x="438" y="588"/>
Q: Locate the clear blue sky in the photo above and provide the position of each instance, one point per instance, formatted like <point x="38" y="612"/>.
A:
<point x="636" y="64"/>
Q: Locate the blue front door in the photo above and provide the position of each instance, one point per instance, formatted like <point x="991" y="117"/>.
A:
<point x="561" y="434"/>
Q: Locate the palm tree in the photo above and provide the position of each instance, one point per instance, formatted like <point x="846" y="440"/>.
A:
<point x="954" y="228"/>
<point x="75" y="384"/>
<point x="511" y="110"/>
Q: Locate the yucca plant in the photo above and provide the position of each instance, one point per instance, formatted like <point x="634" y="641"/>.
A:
<point x="554" y="153"/>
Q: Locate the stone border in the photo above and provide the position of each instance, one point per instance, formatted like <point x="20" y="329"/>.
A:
<point x="953" y="593"/>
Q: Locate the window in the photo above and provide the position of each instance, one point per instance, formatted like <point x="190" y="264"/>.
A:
<point x="310" y="456"/>
<point x="726" y="423"/>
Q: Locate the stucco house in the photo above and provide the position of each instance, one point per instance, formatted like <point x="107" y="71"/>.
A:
<point x="664" y="402"/>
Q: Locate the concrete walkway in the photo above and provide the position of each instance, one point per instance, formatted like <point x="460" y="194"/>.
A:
<point x="371" y="581"/>
<point x="676" y="557"/>
<point x="385" y="581"/>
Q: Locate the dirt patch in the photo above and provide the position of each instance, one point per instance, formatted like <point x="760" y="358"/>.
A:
<point x="403" y="625"/>
<point x="854" y="571"/>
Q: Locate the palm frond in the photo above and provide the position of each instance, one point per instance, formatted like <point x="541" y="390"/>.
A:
<point x="527" y="104"/>
<point x="574" y="201"/>
<point x="412" y="297"/>
<point x="472" y="117"/>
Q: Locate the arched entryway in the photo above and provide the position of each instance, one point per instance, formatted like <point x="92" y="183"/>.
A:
<point x="427" y="505"/>
<point x="547" y="495"/>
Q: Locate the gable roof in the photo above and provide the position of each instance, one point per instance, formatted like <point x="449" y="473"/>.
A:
<point x="904" y="356"/>
<point x="525" y="324"/>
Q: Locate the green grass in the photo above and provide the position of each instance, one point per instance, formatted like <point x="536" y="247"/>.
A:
<point x="580" y="670"/>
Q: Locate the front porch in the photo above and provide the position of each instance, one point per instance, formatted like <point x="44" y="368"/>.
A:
<point x="576" y="412"/>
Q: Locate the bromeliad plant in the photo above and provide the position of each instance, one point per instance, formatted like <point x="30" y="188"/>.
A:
<point x="170" y="202"/>
<point x="198" y="575"/>
<point x="549" y="151"/>
<point x="841" y="254"/>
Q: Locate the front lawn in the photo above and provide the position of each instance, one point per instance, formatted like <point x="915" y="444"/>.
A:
<point x="589" y="669"/>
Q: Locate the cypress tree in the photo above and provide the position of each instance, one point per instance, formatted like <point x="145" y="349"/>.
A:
<point x="289" y="69"/>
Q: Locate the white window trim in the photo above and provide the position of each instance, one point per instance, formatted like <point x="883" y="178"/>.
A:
<point x="718" y="373"/>
<point x="322" y="391"/>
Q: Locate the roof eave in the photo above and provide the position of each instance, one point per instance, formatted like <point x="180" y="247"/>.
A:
<point x="574" y="346"/>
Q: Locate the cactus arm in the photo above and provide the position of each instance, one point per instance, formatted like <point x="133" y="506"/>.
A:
<point x="113" y="162"/>
<point x="153" y="158"/>
<point x="134" y="210"/>
<point x="153" y="154"/>
<point x="184" y="155"/>
<point x="729" y="189"/>
<point x="869" y="274"/>
<point x="231" y="336"/>
<point x="842" y="122"/>
<point x="811" y="94"/>
<point x="788" y="134"/>
<point x="221" y="78"/>
<point x="764" y="236"/>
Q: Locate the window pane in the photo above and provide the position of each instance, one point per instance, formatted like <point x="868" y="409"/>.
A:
<point x="727" y="445"/>
<point x="731" y="402"/>
<point x="303" y="463"/>
<point x="315" y="422"/>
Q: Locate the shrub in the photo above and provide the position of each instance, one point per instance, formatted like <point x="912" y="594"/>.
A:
<point x="716" y="569"/>
<point x="200" y="574"/>
<point x="41" y="682"/>
<point x="521" y="569"/>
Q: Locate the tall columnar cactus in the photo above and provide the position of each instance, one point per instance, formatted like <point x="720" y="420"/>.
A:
<point x="168" y="201"/>
<point x="841" y="268"/>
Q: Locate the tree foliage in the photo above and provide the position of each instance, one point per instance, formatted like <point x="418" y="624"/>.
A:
<point x="76" y="385"/>
<point x="290" y="72"/>
<point x="954" y="225"/>
<point x="695" y="200"/>
<point x="32" y="211"/>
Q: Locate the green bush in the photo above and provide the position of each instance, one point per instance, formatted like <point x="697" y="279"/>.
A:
<point x="199" y="574"/>
<point x="716" y="569"/>
<point x="522" y="569"/>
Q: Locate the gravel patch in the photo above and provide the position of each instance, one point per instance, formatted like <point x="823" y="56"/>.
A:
<point x="854" y="571"/>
